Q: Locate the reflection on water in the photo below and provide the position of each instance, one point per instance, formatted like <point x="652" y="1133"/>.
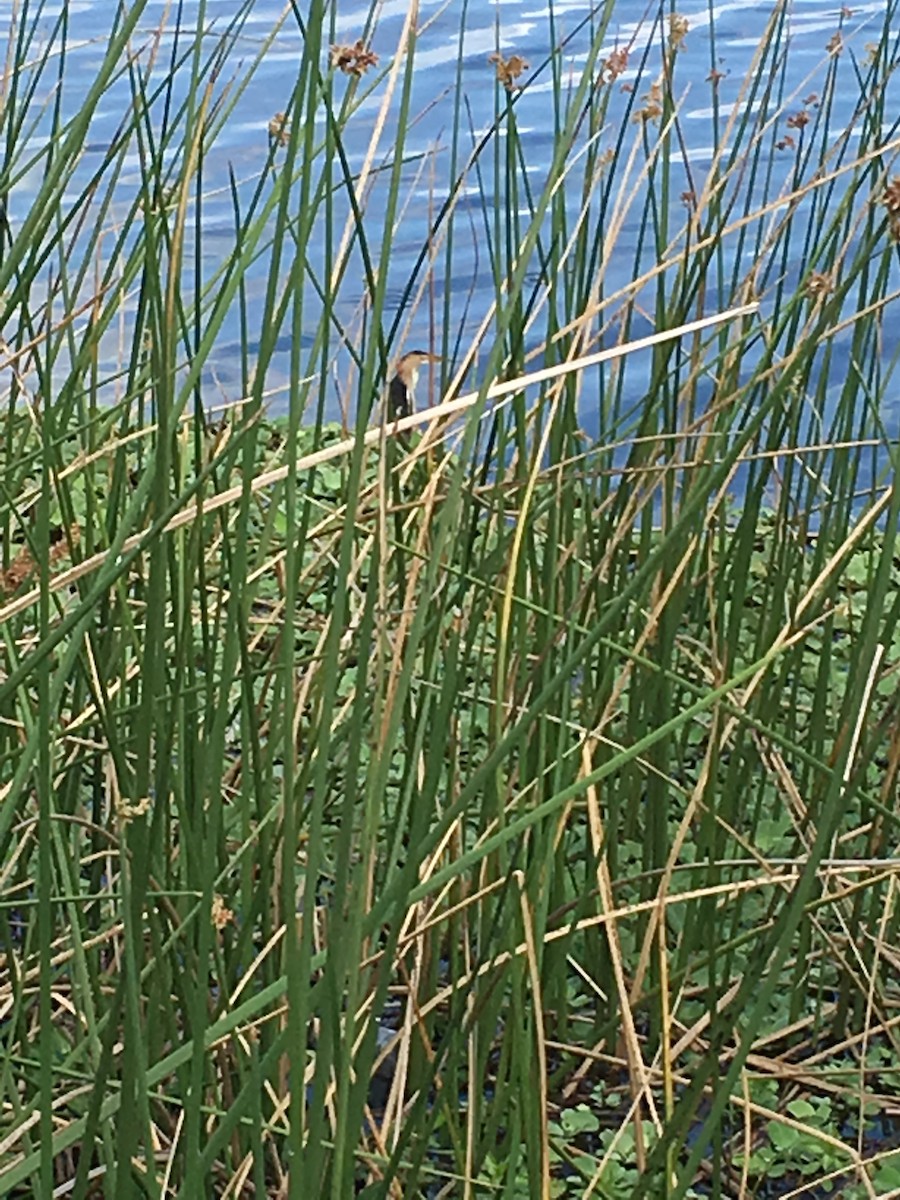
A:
<point x="721" y="39"/>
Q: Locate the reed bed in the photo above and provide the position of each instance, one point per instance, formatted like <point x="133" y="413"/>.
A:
<point x="497" y="802"/>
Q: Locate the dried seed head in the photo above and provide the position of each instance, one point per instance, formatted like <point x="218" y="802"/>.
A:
<point x="279" y="130"/>
<point x="614" y="66"/>
<point x="891" y="197"/>
<point x="678" y="29"/>
<point x="819" y="284"/>
<point x="653" y="105"/>
<point x="221" y="915"/>
<point x="509" y="69"/>
<point x="353" y="60"/>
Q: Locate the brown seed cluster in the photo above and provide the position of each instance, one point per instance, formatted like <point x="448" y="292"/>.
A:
<point x="614" y="66"/>
<point x="353" y="60"/>
<point x="678" y="30"/>
<point x="892" y="197"/>
<point x="130" y="810"/>
<point x="653" y="105"/>
<point x="279" y="130"/>
<point x="509" y="69"/>
<point x="221" y="914"/>
<point x="891" y="201"/>
<point x="819" y="284"/>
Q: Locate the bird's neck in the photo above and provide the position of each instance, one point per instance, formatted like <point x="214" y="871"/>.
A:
<point x="399" y="404"/>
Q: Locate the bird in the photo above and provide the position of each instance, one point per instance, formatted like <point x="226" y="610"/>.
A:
<point x="401" y="389"/>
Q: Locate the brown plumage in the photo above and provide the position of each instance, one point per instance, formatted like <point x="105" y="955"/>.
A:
<point x="401" y="389"/>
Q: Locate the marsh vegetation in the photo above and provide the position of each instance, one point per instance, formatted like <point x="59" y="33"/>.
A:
<point x="504" y="805"/>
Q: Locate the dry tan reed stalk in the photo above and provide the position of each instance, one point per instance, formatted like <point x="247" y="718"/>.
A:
<point x="668" y="262"/>
<point x="203" y="508"/>
<point x="377" y="131"/>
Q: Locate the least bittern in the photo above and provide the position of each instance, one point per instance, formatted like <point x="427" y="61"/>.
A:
<point x="401" y="389"/>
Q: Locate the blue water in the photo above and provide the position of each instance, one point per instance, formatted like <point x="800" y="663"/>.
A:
<point x="724" y="36"/>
